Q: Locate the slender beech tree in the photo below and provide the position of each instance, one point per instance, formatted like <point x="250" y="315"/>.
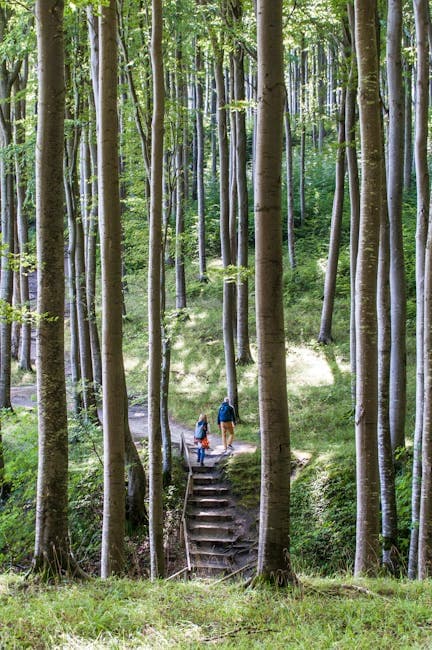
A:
<point x="51" y="555"/>
<point x="244" y="356"/>
<point x="385" y="456"/>
<point x="290" y="188"/>
<point x="408" y="149"/>
<point x="112" y="298"/>
<point x="394" y="196"/>
<point x="423" y="192"/>
<point x="367" y="537"/>
<point x="181" y="100"/>
<point x="154" y="300"/>
<point x="200" y="164"/>
<point x="273" y="550"/>
<point x="228" y="295"/>
<point x="24" y="356"/>
<point x="421" y="498"/>
<point x="8" y="76"/>
<point x="354" y="185"/>
<point x="302" y="156"/>
<point x="335" y="232"/>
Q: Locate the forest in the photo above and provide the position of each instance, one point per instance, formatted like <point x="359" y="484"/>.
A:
<point x="201" y="202"/>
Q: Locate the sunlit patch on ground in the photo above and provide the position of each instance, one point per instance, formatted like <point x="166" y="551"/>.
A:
<point x="322" y="265"/>
<point x="307" y="367"/>
<point x="130" y="363"/>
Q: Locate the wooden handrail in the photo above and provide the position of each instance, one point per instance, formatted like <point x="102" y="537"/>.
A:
<point x="189" y="487"/>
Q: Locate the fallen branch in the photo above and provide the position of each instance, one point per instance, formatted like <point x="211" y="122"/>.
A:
<point x="230" y="575"/>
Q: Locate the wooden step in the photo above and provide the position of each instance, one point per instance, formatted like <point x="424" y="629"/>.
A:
<point x="208" y="565"/>
<point x="210" y="490"/>
<point x="218" y="539"/>
<point x="209" y="515"/>
<point x="208" y="553"/>
<point x="213" y="528"/>
<point x="209" y="502"/>
<point x="205" y="479"/>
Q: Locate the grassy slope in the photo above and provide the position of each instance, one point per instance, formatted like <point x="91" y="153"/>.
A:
<point x="126" y="614"/>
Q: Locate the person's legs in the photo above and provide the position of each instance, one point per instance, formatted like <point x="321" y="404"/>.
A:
<point x="230" y="429"/>
<point x="223" y="434"/>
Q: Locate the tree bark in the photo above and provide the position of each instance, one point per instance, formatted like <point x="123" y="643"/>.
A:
<point x="290" y="189"/>
<point x="157" y="568"/>
<point x="423" y="430"/>
<point x="244" y="356"/>
<point x="303" y="63"/>
<point x="200" y="166"/>
<point x="113" y="527"/>
<point x="24" y="355"/>
<point x="180" y="186"/>
<point x="51" y="555"/>
<point x="354" y="188"/>
<point x="228" y="296"/>
<point x="394" y="197"/>
<point x="367" y="537"/>
<point x="335" y="233"/>
<point x="273" y="550"/>
<point x="389" y="531"/>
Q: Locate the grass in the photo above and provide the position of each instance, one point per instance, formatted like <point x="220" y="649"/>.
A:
<point x="127" y="614"/>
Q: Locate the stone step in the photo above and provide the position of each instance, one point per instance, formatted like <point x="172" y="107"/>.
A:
<point x="208" y="502"/>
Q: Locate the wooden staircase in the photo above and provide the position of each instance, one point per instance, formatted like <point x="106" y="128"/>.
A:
<point x="210" y="523"/>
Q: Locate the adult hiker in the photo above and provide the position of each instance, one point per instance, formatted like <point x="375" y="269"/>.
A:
<point x="226" y="422"/>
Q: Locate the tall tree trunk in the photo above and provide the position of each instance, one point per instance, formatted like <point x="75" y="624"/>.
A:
<point x="273" y="550"/>
<point x="423" y="208"/>
<point x="389" y="530"/>
<point x="91" y="241"/>
<point x="200" y="166"/>
<point x="180" y="186"/>
<point x="51" y="555"/>
<point x="408" y="150"/>
<point x="367" y="539"/>
<point x="157" y="568"/>
<point x="423" y="436"/>
<point x="335" y="233"/>
<point x="24" y="356"/>
<point x="228" y="296"/>
<point x="290" y="189"/>
<point x="354" y="187"/>
<point x="321" y="96"/>
<point x="303" y="63"/>
<point x="394" y="195"/>
<point x="244" y="356"/>
<point x="70" y="164"/>
<point x="113" y="527"/>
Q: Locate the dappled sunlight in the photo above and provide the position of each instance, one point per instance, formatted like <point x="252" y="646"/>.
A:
<point x="131" y="363"/>
<point x="306" y="367"/>
<point x="322" y="265"/>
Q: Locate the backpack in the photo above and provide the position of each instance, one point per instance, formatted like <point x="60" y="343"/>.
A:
<point x="225" y="412"/>
<point x="201" y="430"/>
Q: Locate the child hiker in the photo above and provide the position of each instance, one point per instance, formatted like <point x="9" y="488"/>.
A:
<point x="201" y="431"/>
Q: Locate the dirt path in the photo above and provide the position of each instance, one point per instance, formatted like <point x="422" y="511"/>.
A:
<point x="25" y="396"/>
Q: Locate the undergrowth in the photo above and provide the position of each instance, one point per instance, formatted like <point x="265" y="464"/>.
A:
<point x="341" y="613"/>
